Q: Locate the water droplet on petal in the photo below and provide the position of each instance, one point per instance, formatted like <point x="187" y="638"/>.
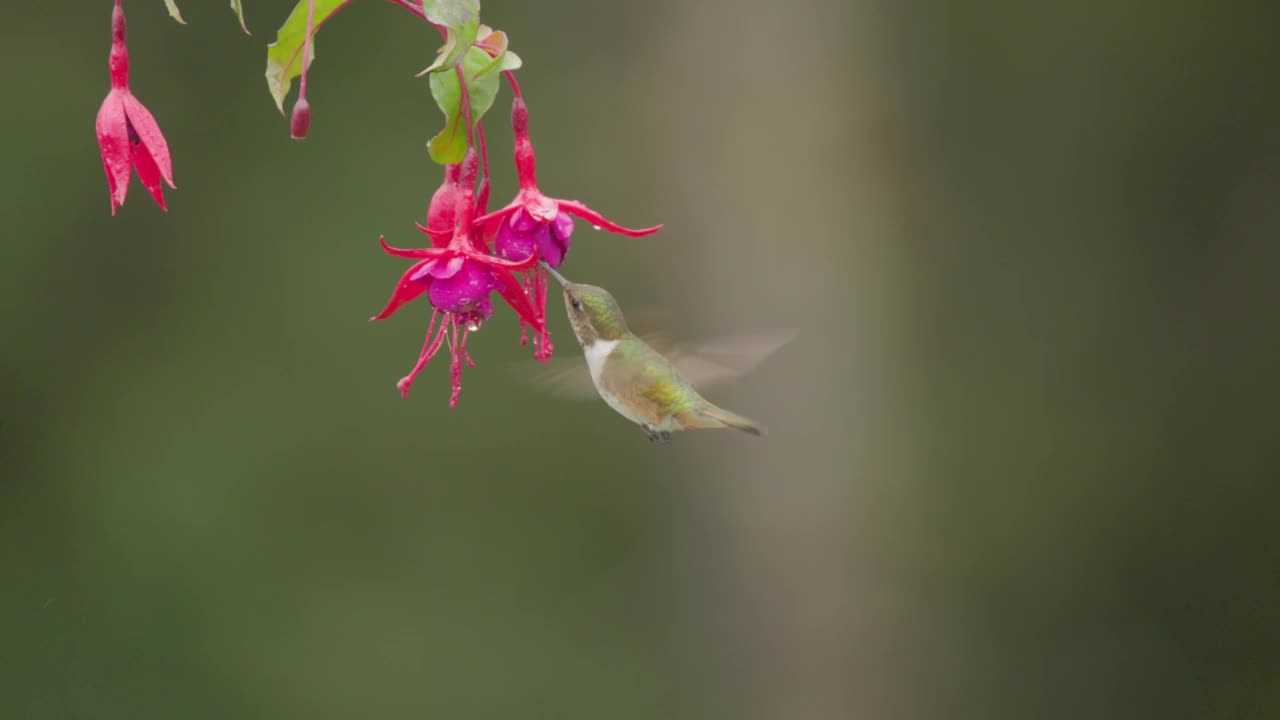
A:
<point x="473" y="326"/>
<point x="595" y="227"/>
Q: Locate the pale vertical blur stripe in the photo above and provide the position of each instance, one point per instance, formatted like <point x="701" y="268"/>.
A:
<point x="786" y="208"/>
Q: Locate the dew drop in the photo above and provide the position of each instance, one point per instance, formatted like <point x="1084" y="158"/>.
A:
<point x="595" y="227"/>
<point x="473" y="326"/>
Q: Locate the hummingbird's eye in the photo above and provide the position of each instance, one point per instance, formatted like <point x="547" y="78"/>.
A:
<point x="574" y="302"/>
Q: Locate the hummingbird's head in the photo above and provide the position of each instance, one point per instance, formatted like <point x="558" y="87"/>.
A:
<point x="594" y="314"/>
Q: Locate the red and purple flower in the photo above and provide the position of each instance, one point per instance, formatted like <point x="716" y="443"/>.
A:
<point x="458" y="279"/>
<point x="532" y="212"/>
<point x="535" y="223"/>
<point x="128" y="135"/>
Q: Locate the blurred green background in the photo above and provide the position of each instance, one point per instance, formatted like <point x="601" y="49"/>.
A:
<point x="1024" y="452"/>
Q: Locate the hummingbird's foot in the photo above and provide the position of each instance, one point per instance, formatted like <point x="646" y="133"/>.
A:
<point x="657" y="436"/>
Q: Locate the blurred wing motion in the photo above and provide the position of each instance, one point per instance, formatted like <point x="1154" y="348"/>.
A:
<point x="718" y="361"/>
<point x="707" y="365"/>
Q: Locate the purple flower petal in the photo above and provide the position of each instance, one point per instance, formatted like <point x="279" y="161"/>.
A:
<point x="483" y="311"/>
<point x="513" y="245"/>
<point x="522" y="222"/>
<point x="463" y="290"/>
<point x="554" y="246"/>
<point x="438" y="269"/>
<point x="518" y="238"/>
<point x="562" y="228"/>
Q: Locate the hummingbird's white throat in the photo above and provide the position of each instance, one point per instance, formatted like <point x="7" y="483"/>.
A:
<point x="596" y="353"/>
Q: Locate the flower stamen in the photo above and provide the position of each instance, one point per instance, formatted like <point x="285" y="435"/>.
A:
<point x="429" y="347"/>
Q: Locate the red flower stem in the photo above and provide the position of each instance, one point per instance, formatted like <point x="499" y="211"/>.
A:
<point x="466" y="103"/>
<point x="515" y="86"/>
<point x="313" y="30"/>
<point x="482" y="195"/>
<point x="465" y="97"/>
<point x="407" y="5"/>
<point x="306" y="49"/>
<point x="416" y="9"/>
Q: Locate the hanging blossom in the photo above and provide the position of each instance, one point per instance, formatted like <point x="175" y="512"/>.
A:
<point x="535" y="223"/>
<point x="471" y="253"/>
<point x="458" y="275"/>
<point x="128" y="135"/>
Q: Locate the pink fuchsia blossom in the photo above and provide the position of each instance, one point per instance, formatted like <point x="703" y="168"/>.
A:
<point x="128" y="135"/>
<point x="553" y="212"/>
<point x="534" y="222"/>
<point x="458" y="279"/>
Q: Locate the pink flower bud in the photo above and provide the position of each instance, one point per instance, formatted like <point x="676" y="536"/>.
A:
<point x="300" y="120"/>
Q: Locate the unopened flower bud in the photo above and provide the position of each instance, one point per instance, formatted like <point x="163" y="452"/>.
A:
<point x="300" y="120"/>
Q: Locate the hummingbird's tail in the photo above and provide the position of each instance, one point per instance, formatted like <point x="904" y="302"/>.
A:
<point x="711" y="416"/>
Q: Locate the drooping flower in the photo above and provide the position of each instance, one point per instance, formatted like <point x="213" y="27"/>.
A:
<point x="550" y="212"/>
<point x="128" y="135"/>
<point x="458" y="279"/>
<point x="532" y="221"/>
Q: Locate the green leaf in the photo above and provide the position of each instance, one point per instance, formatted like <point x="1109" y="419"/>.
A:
<point x="238" y="7"/>
<point x="284" y="61"/>
<point x="461" y="21"/>
<point x="455" y="47"/>
<point x="174" y="12"/>
<point x="452" y="14"/>
<point x="504" y="62"/>
<point x="450" y="145"/>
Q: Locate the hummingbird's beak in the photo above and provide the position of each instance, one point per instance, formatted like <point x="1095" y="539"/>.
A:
<point x="559" y="278"/>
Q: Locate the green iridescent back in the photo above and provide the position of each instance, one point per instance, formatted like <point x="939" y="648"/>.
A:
<point x="658" y="380"/>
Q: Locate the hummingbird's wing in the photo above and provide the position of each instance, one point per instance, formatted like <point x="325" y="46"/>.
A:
<point x="567" y="377"/>
<point x="718" y="361"/>
<point x="706" y="365"/>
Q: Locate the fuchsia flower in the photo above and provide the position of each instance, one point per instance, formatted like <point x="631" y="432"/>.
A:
<point x="458" y="277"/>
<point x="128" y="135"/>
<point x="531" y="212"/>
<point x="534" y="222"/>
<point x="457" y="271"/>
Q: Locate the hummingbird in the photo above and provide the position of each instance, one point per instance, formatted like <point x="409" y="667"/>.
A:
<point x="637" y="381"/>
